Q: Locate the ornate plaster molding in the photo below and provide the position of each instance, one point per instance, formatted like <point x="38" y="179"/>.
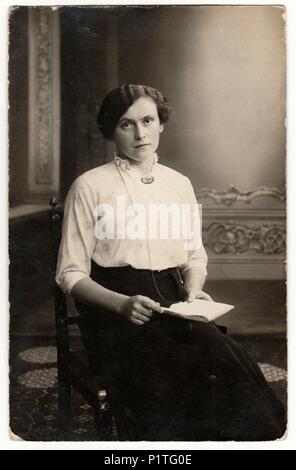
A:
<point x="43" y="100"/>
<point x="232" y="195"/>
<point x="44" y="97"/>
<point x="235" y="238"/>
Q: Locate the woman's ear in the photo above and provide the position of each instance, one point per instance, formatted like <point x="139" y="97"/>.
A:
<point x="161" y="128"/>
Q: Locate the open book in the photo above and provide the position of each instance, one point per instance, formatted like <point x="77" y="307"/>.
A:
<point x="199" y="310"/>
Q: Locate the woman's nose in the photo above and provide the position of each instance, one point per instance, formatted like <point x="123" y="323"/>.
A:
<point x="139" y="132"/>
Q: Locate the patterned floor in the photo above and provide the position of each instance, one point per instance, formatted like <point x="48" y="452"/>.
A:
<point x="33" y="394"/>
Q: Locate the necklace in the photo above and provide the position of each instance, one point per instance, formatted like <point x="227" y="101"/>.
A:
<point x="147" y="179"/>
<point x="167" y="303"/>
<point x="125" y="165"/>
<point x="118" y="168"/>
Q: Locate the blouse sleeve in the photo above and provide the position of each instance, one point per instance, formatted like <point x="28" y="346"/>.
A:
<point x="197" y="256"/>
<point x="78" y="236"/>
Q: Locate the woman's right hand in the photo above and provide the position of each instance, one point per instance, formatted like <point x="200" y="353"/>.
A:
<point x="139" y="309"/>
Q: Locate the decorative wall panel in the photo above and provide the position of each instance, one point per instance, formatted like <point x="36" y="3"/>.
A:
<point x="44" y="103"/>
<point x="244" y="232"/>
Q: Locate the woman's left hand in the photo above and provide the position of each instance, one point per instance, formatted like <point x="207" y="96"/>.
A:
<point x="193" y="293"/>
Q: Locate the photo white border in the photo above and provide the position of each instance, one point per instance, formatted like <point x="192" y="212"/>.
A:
<point x="289" y="443"/>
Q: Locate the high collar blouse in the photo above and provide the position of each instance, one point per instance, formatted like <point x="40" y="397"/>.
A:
<point x="114" y="188"/>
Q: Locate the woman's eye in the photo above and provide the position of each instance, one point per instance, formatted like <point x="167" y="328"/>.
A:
<point x="148" y="120"/>
<point x="126" y="125"/>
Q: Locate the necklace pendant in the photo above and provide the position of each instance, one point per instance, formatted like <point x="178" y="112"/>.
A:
<point x="147" y="179"/>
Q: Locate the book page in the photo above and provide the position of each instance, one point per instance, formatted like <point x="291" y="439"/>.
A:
<point x="202" y="310"/>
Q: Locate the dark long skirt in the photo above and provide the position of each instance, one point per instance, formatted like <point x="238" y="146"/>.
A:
<point x="173" y="379"/>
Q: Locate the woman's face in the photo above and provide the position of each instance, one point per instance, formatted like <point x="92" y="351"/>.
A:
<point x="137" y="132"/>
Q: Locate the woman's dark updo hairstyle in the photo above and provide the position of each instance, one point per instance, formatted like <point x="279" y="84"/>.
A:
<point x="117" y="102"/>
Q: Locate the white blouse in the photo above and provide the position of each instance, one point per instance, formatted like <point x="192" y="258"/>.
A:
<point x="91" y="198"/>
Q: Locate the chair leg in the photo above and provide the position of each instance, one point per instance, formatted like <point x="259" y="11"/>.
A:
<point x="64" y="404"/>
<point x="103" y="418"/>
<point x="103" y="425"/>
<point x="98" y="424"/>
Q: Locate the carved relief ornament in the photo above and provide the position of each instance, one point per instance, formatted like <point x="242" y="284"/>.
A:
<point x="234" y="238"/>
<point x="233" y="194"/>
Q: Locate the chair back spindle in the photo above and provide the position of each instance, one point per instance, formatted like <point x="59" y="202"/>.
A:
<point x="60" y="300"/>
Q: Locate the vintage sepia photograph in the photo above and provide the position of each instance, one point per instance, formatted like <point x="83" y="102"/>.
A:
<point x="147" y="223"/>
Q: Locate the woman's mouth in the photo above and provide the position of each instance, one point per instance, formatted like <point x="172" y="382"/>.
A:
<point x="141" y="145"/>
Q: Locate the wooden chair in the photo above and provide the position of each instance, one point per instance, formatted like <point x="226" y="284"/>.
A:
<point x="73" y="368"/>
